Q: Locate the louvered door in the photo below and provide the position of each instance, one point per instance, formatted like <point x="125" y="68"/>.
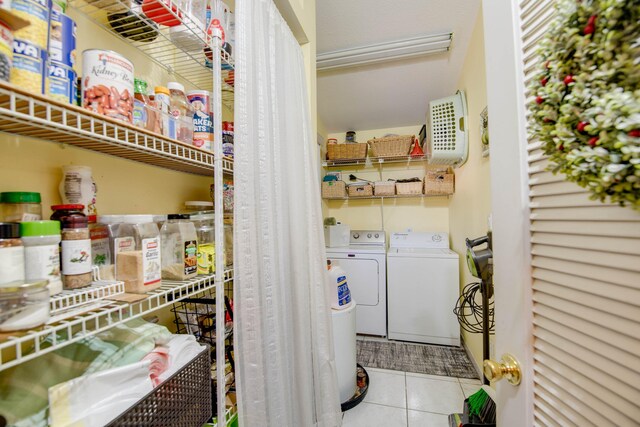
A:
<point x="585" y="259"/>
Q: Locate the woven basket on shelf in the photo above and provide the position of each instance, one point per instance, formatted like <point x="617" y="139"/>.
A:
<point x="409" y="188"/>
<point x="347" y="151"/>
<point x="333" y="190"/>
<point x="391" y="146"/>
<point x="360" y="190"/>
<point x="439" y="182"/>
<point x="384" y="188"/>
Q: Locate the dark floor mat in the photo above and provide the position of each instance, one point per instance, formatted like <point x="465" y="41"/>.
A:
<point x="417" y="358"/>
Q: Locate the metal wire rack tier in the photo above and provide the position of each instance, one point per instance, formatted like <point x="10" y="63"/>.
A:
<point x="16" y="348"/>
<point x="37" y="116"/>
<point x="374" y="160"/>
<point x="173" y="39"/>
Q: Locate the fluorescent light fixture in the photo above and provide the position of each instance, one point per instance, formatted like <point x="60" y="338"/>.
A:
<point x="383" y="52"/>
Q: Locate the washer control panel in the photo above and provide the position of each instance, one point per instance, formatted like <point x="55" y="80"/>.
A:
<point x="368" y="237"/>
<point x="419" y="240"/>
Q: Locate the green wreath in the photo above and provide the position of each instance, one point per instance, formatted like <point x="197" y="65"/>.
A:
<point x="586" y="105"/>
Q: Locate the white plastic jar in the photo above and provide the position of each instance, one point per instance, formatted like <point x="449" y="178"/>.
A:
<point x="41" y="240"/>
<point x="77" y="187"/>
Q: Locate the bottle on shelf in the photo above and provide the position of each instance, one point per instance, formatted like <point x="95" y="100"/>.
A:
<point x="182" y="111"/>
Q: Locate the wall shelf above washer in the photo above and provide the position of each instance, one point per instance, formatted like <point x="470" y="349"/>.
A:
<point x="372" y="161"/>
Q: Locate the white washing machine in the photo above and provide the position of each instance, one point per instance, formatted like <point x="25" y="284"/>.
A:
<point x="423" y="286"/>
<point x="364" y="261"/>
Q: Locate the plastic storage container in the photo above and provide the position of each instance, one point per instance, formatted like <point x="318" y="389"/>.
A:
<point x="23" y="305"/>
<point x="181" y="109"/>
<point x="204" y="224"/>
<point x="179" y="248"/>
<point x="11" y="253"/>
<point x="41" y="240"/>
<point x="18" y="206"/>
<point x="138" y="254"/>
<point x="76" y="252"/>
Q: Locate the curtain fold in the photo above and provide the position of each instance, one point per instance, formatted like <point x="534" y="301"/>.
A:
<point x="285" y="361"/>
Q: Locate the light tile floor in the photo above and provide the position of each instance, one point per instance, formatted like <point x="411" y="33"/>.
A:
<point x="405" y="399"/>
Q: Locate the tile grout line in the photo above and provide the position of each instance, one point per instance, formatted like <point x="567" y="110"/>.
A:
<point x="406" y="398"/>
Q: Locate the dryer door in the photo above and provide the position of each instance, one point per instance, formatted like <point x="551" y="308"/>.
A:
<point x="362" y="277"/>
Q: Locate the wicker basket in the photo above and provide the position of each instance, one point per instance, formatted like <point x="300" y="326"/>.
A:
<point x="391" y="146"/>
<point x="360" y="190"/>
<point x="334" y="190"/>
<point x="439" y="182"/>
<point x="183" y="400"/>
<point x="409" y="188"/>
<point x="384" y="188"/>
<point x="347" y="151"/>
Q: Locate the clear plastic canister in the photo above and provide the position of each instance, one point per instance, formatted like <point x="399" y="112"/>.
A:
<point x="204" y="224"/>
<point x="18" y="206"/>
<point x="179" y="248"/>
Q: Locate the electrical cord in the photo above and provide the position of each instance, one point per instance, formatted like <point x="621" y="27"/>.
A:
<point x="469" y="312"/>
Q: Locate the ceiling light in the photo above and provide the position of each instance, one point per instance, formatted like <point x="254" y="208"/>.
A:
<point x="383" y="52"/>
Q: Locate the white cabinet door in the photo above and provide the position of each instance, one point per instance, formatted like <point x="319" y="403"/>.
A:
<point x="362" y="278"/>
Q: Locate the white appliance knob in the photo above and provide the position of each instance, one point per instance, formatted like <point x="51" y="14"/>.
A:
<point x="369" y="235"/>
<point x="356" y="236"/>
<point x="377" y="235"/>
<point x="437" y="238"/>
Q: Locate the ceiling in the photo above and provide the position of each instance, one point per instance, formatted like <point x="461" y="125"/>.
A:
<point x="391" y="94"/>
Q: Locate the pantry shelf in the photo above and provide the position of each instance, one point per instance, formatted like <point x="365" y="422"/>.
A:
<point x="40" y="117"/>
<point x="397" y="196"/>
<point x="371" y="161"/>
<point x="76" y="299"/>
<point x="179" y="49"/>
<point x="16" y="348"/>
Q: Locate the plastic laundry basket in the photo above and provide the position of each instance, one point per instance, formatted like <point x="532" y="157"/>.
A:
<point x="448" y="130"/>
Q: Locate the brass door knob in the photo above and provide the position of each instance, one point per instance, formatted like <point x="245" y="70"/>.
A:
<point x="508" y="368"/>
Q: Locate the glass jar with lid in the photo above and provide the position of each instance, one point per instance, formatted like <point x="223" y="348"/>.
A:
<point x="18" y="206"/>
<point x="204" y="224"/>
<point x="179" y="248"/>
<point x="62" y="211"/>
<point x="11" y="253"/>
<point x="138" y="259"/>
<point x="76" y="252"/>
<point x="23" y="305"/>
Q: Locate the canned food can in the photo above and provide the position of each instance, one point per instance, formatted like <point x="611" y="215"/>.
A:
<point x="107" y="84"/>
<point x="29" y="62"/>
<point x="62" y="39"/>
<point x="37" y="13"/>
<point x="61" y="83"/>
<point x="6" y="51"/>
<point x="200" y="100"/>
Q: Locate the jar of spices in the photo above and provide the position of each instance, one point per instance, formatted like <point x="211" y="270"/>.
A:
<point x="179" y="248"/>
<point x="76" y="252"/>
<point x="23" y="305"/>
<point x="41" y="240"/>
<point x="61" y="211"/>
<point x="18" y="206"/>
<point x="139" y="265"/>
<point x="11" y="253"/>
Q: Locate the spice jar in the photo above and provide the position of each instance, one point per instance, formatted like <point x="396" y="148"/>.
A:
<point x="204" y="224"/>
<point x="138" y="254"/>
<point x="11" y="253"/>
<point x="62" y="211"/>
<point x="18" y="206"/>
<point x="179" y="248"/>
<point x="42" y="253"/>
<point x="76" y="252"/>
<point x="23" y="305"/>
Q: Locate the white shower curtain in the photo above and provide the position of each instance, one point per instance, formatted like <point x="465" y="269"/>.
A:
<point x="284" y="362"/>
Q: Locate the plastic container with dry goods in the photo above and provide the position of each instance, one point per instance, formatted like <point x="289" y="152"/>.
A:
<point x="139" y="265"/>
<point x="205" y="230"/>
<point x="179" y="248"/>
<point x="101" y="255"/>
<point x="11" y="253"/>
<point x="18" y="206"/>
<point x="76" y="252"/>
<point x="41" y="240"/>
<point x="23" y="305"/>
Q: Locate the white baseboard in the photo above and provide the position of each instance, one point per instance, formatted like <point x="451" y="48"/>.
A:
<point x="477" y="367"/>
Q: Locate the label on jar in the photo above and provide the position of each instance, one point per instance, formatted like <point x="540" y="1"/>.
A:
<point x="151" y="260"/>
<point x="76" y="256"/>
<point x="139" y="113"/>
<point x="28" y="217"/>
<point x="43" y="262"/>
<point x="206" y="259"/>
<point x="100" y="246"/>
<point x="11" y="264"/>
<point x="190" y="257"/>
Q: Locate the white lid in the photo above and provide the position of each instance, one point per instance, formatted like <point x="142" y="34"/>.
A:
<point x="137" y="219"/>
<point x="175" y="86"/>
<point x="159" y="218"/>
<point x="110" y="219"/>
<point x="199" y="203"/>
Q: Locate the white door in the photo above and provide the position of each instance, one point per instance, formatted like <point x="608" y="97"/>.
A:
<point x="362" y="276"/>
<point x="567" y="269"/>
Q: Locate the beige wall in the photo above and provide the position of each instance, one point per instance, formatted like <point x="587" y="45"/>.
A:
<point x="420" y="214"/>
<point x="471" y="204"/>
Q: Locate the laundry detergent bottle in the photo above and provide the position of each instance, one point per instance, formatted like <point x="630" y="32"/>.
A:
<point x="339" y="289"/>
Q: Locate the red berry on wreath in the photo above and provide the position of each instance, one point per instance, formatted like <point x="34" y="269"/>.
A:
<point x="539" y="100"/>
<point x="544" y="81"/>
<point x="589" y="29"/>
<point x="634" y="133"/>
<point x="561" y="147"/>
<point x="593" y="141"/>
<point x="581" y="126"/>
<point x="568" y="80"/>
<point x="592" y="20"/>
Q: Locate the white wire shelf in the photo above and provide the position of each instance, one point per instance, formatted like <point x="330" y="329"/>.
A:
<point x="40" y="117"/>
<point x="16" y="348"/>
<point x="397" y="196"/>
<point x="373" y="161"/>
<point x="179" y="49"/>
<point x="79" y="298"/>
